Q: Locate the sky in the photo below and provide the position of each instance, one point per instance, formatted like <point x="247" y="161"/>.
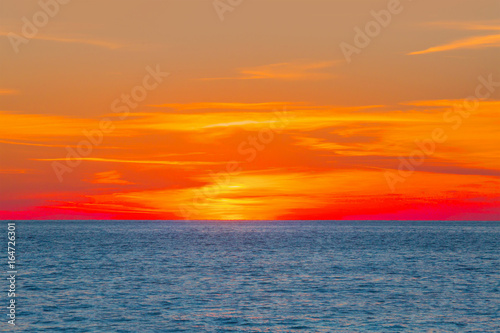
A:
<point x="241" y="110"/>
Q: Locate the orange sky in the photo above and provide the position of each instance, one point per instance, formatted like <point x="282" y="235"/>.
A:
<point x="168" y="112"/>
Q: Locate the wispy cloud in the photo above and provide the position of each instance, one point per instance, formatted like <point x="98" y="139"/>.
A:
<point x="296" y="70"/>
<point x="239" y="123"/>
<point x="97" y="159"/>
<point x="14" y="171"/>
<point x="83" y="40"/>
<point x="479" y="42"/>
<point x="491" y="26"/>
<point x="16" y="127"/>
<point x="9" y="92"/>
<point x="49" y="145"/>
<point x="225" y="106"/>
<point x="475" y="42"/>
<point x="109" y="177"/>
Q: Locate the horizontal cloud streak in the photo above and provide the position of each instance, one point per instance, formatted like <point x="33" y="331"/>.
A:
<point x="467" y="43"/>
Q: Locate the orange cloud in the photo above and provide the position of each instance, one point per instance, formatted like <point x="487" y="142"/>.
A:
<point x="222" y="106"/>
<point x="476" y="42"/>
<point x="114" y="160"/>
<point x="329" y="158"/>
<point x="85" y="41"/>
<point x="109" y="177"/>
<point x="297" y="70"/>
<point x="491" y="26"/>
<point x="33" y="144"/>
<point x="467" y="43"/>
<point x="246" y="196"/>
<point x="16" y="126"/>
<point x="14" y="171"/>
<point x="273" y="195"/>
<point x="9" y="92"/>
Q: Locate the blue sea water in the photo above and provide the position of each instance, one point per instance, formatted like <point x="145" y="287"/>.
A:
<point x="161" y="276"/>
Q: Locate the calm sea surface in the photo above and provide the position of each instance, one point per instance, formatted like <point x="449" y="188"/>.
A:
<point x="127" y="276"/>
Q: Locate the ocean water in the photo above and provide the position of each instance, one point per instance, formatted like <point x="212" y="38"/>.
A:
<point x="145" y="276"/>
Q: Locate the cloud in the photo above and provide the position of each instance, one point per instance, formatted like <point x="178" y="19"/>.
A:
<point x="491" y="26"/>
<point x="262" y="106"/>
<point x="475" y="42"/>
<point x="40" y="127"/>
<point x="478" y="42"/>
<point x="47" y="145"/>
<point x="301" y="119"/>
<point x="293" y="71"/>
<point x="86" y="41"/>
<point x="98" y="159"/>
<point x="109" y="177"/>
<point x="9" y="92"/>
<point x="14" y="171"/>
<point x="223" y="106"/>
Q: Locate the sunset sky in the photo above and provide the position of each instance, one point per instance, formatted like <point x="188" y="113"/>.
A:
<point x="194" y="109"/>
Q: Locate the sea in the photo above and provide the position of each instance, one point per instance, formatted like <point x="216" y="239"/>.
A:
<point x="255" y="276"/>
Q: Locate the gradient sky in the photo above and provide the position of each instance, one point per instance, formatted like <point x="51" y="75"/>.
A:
<point x="311" y="135"/>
